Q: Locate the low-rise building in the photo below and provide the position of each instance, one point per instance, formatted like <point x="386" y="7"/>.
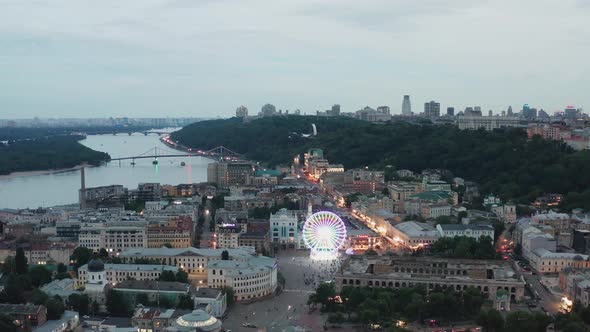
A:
<point x="195" y="261"/>
<point x="545" y="261"/>
<point x="169" y="291"/>
<point x="575" y="284"/>
<point x="414" y="234"/>
<point x="155" y="319"/>
<point x="25" y="316"/>
<point x="284" y="229"/>
<point x="401" y="190"/>
<point x="113" y="236"/>
<point x="431" y="273"/>
<point x="473" y="231"/>
<point x="433" y="211"/>
<point x="175" y="232"/>
<point x="252" y="279"/>
<point x="475" y="122"/>
<point x="116" y="273"/>
<point x="213" y="298"/>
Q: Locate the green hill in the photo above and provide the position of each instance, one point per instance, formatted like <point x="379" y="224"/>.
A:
<point x="501" y="161"/>
<point x="47" y="153"/>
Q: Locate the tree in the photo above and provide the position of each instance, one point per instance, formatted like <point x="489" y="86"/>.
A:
<point x="229" y="294"/>
<point x="142" y="298"/>
<point x="323" y="294"/>
<point x="79" y="303"/>
<point x="13" y="290"/>
<point x="6" y="324"/>
<point x="117" y="305"/>
<point x="20" y="261"/>
<point x="472" y="301"/>
<point x="182" y="276"/>
<point x="9" y="265"/>
<point x="225" y="255"/>
<point x="185" y="302"/>
<point x="39" y="297"/>
<point x="370" y="252"/>
<point x="55" y="308"/>
<point x="167" y="275"/>
<point x="491" y="321"/>
<point x="62" y="268"/>
<point x="103" y="254"/>
<point x="81" y="256"/>
<point x="40" y="275"/>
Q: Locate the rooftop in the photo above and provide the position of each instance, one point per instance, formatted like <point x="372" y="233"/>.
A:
<point x="153" y="285"/>
<point x="191" y="251"/>
<point x="210" y="293"/>
<point x="135" y="267"/>
<point x="416" y="229"/>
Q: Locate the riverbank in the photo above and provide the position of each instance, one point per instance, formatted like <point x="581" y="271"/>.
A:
<point x="14" y="175"/>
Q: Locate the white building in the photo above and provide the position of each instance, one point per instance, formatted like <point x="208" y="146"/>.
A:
<point x="284" y="229"/>
<point x="114" y="237"/>
<point x="414" y="234"/>
<point x="473" y="231"/>
<point x="487" y="122"/>
<point x="116" y="273"/>
<point x="195" y="261"/>
<point x="250" y="279"/>
<point x="214" y="298"/>
<point x="533" y="238"/>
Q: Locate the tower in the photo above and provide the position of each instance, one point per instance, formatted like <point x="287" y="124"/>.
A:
<point x="82" y="192"/>
<point x="406" y="106"/>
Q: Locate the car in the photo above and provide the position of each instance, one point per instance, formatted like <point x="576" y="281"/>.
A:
<point x="250" y="325"/>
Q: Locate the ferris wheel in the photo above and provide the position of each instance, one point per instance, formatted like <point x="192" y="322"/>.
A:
<point x="324" y="233"/>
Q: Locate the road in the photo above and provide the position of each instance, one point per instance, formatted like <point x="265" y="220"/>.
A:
<point x="290" y="307"/>
<point x="547" y="300"/>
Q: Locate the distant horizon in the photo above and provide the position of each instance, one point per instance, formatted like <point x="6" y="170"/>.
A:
<point x="255" y="112"/>
<point x="185" y="58"/>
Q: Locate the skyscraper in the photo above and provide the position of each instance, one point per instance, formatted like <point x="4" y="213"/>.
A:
<point x="509" y="112"/>
<point x="432" y="109"/>
<point x="406" y="106"/>
<point x="451" y="111"/>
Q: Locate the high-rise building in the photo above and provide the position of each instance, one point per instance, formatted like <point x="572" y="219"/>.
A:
<point x="406" y="106"/>
<point x="242" y="111"/>
<point x="229" y="173"/>
<point x="335" y="110"/>
<point x="432" y="109"/>
<point x="509" y="112"/>
<point x="571" y="113"/>
<point x="451" y="111"/>
<point x="529" y="112"/>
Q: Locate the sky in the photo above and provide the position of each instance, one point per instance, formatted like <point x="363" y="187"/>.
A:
<point x="204" y="58"/>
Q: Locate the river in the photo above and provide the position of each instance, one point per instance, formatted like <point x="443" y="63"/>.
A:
<point x="32" y="191"/>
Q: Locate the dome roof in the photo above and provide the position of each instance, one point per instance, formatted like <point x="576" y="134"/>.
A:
<point x="95" y="265"/>
<point x="198" y="319"/>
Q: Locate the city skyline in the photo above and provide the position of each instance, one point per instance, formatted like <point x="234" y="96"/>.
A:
<point x="183" y="58"/>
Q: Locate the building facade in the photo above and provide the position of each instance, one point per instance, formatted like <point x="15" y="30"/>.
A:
<point x="431" y="273"/>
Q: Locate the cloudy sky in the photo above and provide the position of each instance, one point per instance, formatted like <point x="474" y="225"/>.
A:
<point x="88" y="58"/>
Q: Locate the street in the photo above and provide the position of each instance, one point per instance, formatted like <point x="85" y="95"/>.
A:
<point x="547" y="300"/>
<point x="290" y="307"/>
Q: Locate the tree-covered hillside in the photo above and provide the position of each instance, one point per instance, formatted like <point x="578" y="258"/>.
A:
<point x="501" y="161"/>
<point x="47" y="153"/>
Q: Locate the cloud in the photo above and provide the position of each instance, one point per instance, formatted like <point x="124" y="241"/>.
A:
<point x="205" y="57"/>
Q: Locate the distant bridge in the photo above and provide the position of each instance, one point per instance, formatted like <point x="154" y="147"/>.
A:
<point x="145" y="132"/>
<point x="219" y="152"/>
